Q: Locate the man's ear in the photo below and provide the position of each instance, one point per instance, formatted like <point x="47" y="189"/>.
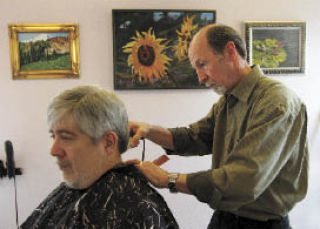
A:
<point x="110" y="141"/>
<point x="231" y="50"/>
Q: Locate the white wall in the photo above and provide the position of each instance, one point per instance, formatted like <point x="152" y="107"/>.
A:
<point x="24" y="102"/>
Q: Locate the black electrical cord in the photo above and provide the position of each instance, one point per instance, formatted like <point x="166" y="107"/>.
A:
<point x="16" y="202"/>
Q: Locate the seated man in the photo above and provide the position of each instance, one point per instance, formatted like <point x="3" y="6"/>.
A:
<point x="89" y="127"/>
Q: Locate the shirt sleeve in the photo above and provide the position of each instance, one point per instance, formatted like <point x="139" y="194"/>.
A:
<point x="195" y="140"/>
<point x="276" y="130"/>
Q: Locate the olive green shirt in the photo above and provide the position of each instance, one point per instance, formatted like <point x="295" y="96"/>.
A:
<point x="257" y="138"/>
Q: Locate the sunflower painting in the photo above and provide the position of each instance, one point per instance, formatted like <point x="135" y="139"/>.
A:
<point x="150" y="48"/>
<point x="184" y="37"/>
<point x="146" y="56"/>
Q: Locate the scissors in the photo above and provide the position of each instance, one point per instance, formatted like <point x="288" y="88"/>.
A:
<point x="143" y="145"/>
<point x="143" y="149"/>
<point x="159" y="161"/>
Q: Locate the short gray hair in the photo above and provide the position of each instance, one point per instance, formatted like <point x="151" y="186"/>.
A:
<point x="95" y="110"/>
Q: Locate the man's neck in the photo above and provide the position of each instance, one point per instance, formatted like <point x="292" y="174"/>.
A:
<point x="241" y="69"/>
<point x="111" y="161"/>
<point x="245" y="70"/>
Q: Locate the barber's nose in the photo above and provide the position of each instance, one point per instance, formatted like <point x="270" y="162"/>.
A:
<point x="202" y="77"/>
<point x="56" y="149"/>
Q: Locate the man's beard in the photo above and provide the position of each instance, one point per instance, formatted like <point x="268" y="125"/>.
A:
<point x="219" y="89"/>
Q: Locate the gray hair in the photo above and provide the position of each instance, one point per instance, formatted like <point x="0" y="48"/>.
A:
<point x="219" y="35"/>
<point x="95" y="110"/>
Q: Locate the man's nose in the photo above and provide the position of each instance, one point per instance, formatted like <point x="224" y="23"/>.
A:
<point x="202" y="77"/>
<point x="56" y="149"/>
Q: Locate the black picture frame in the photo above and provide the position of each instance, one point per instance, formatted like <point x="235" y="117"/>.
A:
<point x="150" y="47"/>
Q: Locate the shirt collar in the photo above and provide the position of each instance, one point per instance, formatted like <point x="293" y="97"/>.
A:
<point x="244" y="88"/>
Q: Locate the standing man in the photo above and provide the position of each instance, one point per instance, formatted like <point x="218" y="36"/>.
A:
<point x="256" y="134"/>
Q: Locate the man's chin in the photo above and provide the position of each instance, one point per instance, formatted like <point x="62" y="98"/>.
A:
<point x="69" y="180"/>
<point x="75" y="182"/>
<point x="72" y="184"/>
<point x="219" y="90"/>
<point x="209" y="85"/>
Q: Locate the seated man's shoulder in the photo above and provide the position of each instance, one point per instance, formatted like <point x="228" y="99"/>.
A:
<point x="123" y="194"/>
<point x="121" y="198"/>
<point x="126" y="186"/>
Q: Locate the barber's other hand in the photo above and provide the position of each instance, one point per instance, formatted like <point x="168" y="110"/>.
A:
<point x="139" y="130"/>
<point x="156" y="175"/>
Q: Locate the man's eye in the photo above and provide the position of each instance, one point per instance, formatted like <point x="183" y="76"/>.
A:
<point x="66" y="137"/>
<point x="62" y="137"/>
<point x="201" y="64"/>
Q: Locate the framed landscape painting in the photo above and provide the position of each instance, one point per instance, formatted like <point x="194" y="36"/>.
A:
<point x="42" y="51"/>
<point x="278" y="47"/>
<point x="150" y="47"/>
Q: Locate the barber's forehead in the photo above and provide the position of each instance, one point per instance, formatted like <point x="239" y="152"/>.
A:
<point x="201" y="35"/>
<point x="198" y="42"/>
<point x="204" y="29"/>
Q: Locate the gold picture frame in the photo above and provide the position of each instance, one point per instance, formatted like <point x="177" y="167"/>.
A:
<point x="44" y="51"/>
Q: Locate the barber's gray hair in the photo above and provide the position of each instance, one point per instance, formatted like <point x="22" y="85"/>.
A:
<point x="219" y="35"/>
<point x="94" y="110"/>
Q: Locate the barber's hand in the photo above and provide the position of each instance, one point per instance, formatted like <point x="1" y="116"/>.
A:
<point x="156" y="175"/>
<point x="139" y="130"/>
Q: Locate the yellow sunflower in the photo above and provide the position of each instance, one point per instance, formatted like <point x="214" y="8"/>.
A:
<point x="146" y="56"/>
<point x="184" y="38"/>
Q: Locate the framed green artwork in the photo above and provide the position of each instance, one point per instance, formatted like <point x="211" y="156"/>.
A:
<point x="44" y="51"/>
<point x="278" y="47"/>
<point x="150" y="47"/>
